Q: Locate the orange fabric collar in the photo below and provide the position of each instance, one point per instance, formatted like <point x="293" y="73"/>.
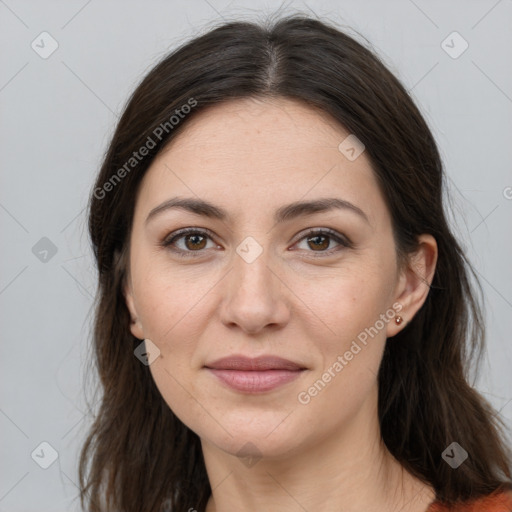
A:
<point x="499" y="501"/>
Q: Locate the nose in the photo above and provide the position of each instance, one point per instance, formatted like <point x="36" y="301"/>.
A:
<point x="256" y="297"/>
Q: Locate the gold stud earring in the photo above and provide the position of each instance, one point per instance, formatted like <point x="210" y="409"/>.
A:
<point x="398" y="320"/>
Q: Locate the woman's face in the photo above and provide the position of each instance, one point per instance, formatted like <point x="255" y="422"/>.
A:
<point x="255" y="283"/>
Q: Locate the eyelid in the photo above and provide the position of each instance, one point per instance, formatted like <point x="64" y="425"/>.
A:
<point x="342" y="239"/>
<point x="339" y="238"/>
<point x="169" y="240"/>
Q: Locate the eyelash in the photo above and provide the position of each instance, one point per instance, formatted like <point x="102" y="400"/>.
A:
<point x="167" y="243"/>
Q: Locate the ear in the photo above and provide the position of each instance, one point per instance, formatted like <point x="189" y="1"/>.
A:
<point x="135" y="325"/>
<point x="414" y="282"/>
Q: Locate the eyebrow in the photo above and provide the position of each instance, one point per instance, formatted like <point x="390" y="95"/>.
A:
<point x="283" y="214"/>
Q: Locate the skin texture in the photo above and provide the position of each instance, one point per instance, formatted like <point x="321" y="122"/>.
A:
<point x="250" y="157"/>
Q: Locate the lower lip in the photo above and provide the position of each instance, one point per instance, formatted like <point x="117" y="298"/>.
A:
<point x="255" y="381"/>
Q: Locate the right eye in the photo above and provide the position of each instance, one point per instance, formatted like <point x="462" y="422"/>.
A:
<point x="194" y="241"/>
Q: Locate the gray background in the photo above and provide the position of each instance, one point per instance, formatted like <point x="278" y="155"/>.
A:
<point x="58" y="113"/>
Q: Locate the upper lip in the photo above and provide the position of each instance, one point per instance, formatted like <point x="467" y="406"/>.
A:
<point x="261" y="363"/>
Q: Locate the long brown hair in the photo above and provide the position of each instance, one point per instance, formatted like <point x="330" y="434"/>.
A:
<point x="139" y="455"/>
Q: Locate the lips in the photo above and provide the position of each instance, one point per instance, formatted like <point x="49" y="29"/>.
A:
<point x="255" y="375"/>
<point x="261" y="363"/>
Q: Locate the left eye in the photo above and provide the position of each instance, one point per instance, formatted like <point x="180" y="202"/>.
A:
<point x="321" y="239"/>
<point x="194" y="241"/>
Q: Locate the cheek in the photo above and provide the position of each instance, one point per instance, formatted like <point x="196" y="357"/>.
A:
<point x="167" y="298"/>
<point x="170" y="317"/>
<point x="352" y="351"/>
<point x="352" y="306"/>
<point x="352" y="301"/>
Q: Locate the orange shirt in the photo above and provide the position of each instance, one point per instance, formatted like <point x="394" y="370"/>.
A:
<point x="499" y="501"/>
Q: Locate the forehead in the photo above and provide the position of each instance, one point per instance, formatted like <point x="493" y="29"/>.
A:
<point x="257" y="126"/>
<point x="259" y="154"/>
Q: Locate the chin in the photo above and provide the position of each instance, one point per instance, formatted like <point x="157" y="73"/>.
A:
<point x="255" y="438"/>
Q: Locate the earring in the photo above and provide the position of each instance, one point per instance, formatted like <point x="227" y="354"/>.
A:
<point x="398" y="320"/>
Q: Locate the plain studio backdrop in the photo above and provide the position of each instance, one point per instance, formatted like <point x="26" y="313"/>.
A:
<point x="66" y="71"/>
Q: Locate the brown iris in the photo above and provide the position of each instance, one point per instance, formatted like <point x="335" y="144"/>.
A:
<point x="195" y="244"/>
<point x="325" y="245"/>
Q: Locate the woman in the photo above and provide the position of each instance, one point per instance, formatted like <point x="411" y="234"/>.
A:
<point x="284" y="319"/>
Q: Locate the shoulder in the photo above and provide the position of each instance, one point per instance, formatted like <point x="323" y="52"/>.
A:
<point x="499" y="501"/>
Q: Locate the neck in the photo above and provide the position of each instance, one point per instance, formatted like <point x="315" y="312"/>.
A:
<point x="351" y="470"/>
